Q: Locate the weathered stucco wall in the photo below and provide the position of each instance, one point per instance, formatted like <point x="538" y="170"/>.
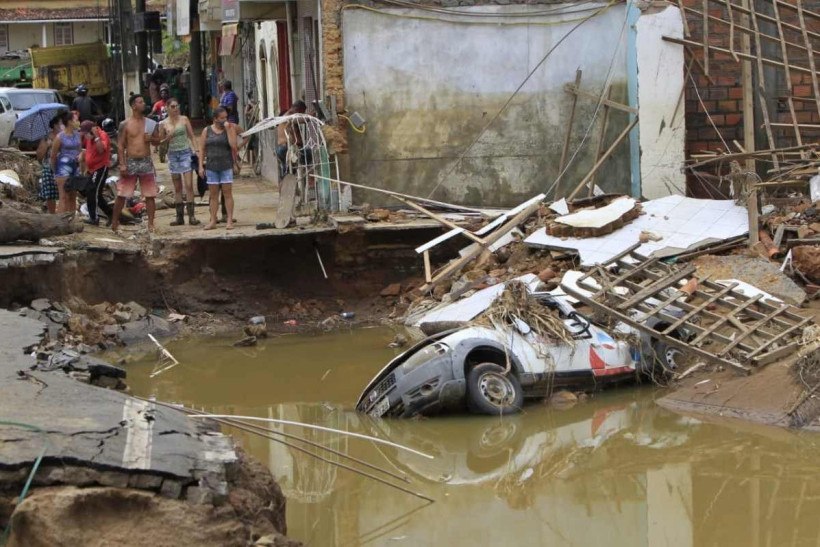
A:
<point x="660" y="98"/>
<point x="428" y="84"/>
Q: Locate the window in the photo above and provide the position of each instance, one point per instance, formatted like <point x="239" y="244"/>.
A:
<point x="63" y="34"/>
<point x="4" y="38"/>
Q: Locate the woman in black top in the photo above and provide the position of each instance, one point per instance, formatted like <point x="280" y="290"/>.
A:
<point x="217" y="153"/>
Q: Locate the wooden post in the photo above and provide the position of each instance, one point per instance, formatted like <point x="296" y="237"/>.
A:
<point x="749" y="127"/>
<point x="428" y="274"/>
<point x="602" y="136"/>
<point x="565" y="150"/>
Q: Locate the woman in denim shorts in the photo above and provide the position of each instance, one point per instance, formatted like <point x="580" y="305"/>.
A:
<point x="217" y="152"/>
<point x="176" y="130"/>
<point x="48" y="187"/>
<point x="65" y="163"/>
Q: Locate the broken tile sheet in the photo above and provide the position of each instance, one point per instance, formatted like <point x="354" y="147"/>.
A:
<point x="683" y="223"/>
<point x="468" y="308"/>
<point x="600" y="217"/>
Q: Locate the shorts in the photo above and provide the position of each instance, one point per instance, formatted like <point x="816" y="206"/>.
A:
<point x="66" y="167"/>
<point x="48" y="188"/>
<point x="179" y="161"/>
<point x="128" y="183"/>
<point x="219" y="177"/>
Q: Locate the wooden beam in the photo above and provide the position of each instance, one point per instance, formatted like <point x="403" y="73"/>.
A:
<point x="571" y="88"/>
<point x="810" y="51"/>
<point x="602" y="136"/>
<point x="568" y="137"/>
<point x="440" y="219"/>
<point x="748" y="99"/>
<point x="761" y="82"/>
<point x="603" y="158"/>
<point x="725" y="51"/>
<point x="785" y="53"/>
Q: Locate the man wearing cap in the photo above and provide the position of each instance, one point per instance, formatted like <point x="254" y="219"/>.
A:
<point x="94" y="159"/>
<point x="135" y="138"/>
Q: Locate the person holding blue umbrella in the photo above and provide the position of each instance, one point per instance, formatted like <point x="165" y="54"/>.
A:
<point x="33" y="124"/>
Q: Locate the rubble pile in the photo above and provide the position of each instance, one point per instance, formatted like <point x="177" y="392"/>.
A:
<point x="75" y="329"/>
<point x="27" y="170"/>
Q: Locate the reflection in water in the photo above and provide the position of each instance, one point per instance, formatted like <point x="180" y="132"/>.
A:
<point x="618" y="470"/>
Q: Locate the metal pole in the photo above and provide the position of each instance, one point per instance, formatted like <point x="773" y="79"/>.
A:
<point x="195" y="84"/>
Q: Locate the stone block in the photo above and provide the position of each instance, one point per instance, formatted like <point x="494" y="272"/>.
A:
<point x="113" y="478"/>
<point x="122" y="316"/>
<point x="198" y="495"/>
<point x="41" y="304"/>
<point x="171" y="489"/>
<point x="145" y="482"/>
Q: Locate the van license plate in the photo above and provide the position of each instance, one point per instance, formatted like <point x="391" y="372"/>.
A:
<point x="380" y="409"/>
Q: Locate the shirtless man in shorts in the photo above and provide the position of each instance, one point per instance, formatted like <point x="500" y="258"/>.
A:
<point x="135" y="162"/>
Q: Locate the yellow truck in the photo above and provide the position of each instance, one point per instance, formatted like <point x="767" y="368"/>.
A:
<point x="63" y="68"/>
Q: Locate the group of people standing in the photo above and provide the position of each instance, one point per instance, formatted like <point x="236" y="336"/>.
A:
<point x="75" y="148"/>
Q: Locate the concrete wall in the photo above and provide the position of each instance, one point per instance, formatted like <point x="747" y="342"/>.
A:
<point x="26" y="35"/>
<point x="267" y="90"/>
<point x="427" y="88"/>
<point x="662" y="117"/>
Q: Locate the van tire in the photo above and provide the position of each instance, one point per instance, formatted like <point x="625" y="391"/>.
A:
<point x="491" y="391"/>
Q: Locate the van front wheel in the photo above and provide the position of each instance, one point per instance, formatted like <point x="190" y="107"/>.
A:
<point x="490" y="391"/>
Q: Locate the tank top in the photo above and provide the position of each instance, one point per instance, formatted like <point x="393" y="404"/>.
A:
<point x="218" y="155"/>
<point x="179" y="137"/>
<point x="69" y="146"/>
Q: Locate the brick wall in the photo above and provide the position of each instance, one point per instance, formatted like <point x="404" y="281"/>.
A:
<point x="722" y="94"/>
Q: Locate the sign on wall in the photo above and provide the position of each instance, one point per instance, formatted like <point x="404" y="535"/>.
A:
<point x="230" y="11"/>
<point x="183" y="17"/>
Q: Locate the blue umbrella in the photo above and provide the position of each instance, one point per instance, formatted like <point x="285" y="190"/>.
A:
<point x="32" y="125"/>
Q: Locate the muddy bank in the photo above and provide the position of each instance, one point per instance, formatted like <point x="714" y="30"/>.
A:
<point x="80" y="512"/>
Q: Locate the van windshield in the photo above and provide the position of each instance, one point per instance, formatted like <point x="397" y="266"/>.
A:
<point x="24" y="100"/>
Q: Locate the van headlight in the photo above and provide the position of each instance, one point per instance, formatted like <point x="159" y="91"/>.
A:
<point x="425" y="355"/>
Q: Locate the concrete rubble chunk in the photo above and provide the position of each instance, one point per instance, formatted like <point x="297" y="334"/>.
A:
<point x="100" y="368"/>
<point x="113" y="478"/>
<point x="122" y="316"/>
<point x="137" y="311"/>
<point x="41" y="304"/>
<point x="394" y="289"/>
<point x="198" y="495"/>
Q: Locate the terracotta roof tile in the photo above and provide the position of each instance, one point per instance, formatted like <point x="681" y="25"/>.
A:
<point x="35" y="14"/>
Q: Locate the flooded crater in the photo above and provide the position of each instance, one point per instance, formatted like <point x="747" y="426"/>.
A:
<point x="617" y="469"/>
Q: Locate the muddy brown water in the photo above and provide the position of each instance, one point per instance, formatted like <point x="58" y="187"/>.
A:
<point x="617" y="470"/>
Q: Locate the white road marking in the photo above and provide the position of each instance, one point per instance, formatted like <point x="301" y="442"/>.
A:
<point x="137" y="453"/>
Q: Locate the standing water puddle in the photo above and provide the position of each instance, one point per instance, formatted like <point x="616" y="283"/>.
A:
<point x="617" y="470"/>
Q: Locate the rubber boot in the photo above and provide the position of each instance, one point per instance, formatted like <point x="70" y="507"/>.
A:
<point x="180" y="215"/>
<point x="191" y="218"/>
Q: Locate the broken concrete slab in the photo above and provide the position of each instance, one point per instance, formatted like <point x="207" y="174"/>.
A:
<point x="600" y="217"/>
<point x="683" y="223"/>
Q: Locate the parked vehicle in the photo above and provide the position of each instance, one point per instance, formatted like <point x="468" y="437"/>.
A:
<point x="467" y="367"/>
<point x="13" y="102"/>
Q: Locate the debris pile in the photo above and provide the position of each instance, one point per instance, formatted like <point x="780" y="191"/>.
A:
<point x="27" y="171"/>
<point x="75" y="329"/>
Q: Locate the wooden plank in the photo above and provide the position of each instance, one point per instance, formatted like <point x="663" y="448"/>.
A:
<point x="428" y="276"/>
<point x="761" y="82"/>
<point x="757" y="324"/>
<point x="784" y="52"/>
<point x="287" y="200"/>
<point x="748" y="101"/>
<point x="766" y="60"/>
<point x="602" y="135"/>
<point x="778" y="234"/>
<point x="440" y="219"/>
<point x="456" y="265"/>
<point x="615" y="105"/>
<point x="705" y="23"/>
<point x="774" y="355"/>
<point x="568" y="137"/>
<point x="711" y="329"/>
<point x="603" y="158"/>
<point x="628" y="273"/>
<point x="779" y="336"/>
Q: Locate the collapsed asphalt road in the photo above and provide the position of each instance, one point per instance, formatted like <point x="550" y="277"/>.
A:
<point x="94" y="437"/>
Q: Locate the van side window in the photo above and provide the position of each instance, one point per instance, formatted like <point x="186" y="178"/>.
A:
<point x="5" y="104"/>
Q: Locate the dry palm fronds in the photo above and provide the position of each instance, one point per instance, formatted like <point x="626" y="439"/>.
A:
<point x="516" y="303"/>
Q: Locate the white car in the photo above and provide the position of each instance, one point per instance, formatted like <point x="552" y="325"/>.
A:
<point x="13" y="102"/>
<point x="492" y="370"/>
